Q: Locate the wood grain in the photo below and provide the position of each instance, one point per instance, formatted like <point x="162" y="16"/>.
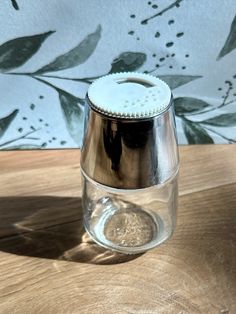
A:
<point x="49" y="265"/>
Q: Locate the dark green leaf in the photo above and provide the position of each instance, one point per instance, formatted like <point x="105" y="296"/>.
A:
<point x="128" y="61"/>
<point x="195" y="134"/>
<point x="73" y="116"/>
<point x="230" y="43"/>
<point x="175" y="81"/>
<point x="76" y="56"/>
<point x="22" y="147"/>
<point x="224" y="120"/>
<point x="184" y="105"/>
<point x="16" y="52"/>
<point x="15" y="5"/>
<point x="6" y="121"/>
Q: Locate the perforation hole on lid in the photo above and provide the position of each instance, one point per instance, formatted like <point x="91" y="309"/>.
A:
<point x="143" y="83"/>
<point x="125" y="94"/>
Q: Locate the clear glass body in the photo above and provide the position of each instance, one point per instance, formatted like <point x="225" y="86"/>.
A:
<point x="129" y="221"/>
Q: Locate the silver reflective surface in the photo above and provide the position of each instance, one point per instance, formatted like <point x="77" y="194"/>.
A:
<point x="129" y="154"/>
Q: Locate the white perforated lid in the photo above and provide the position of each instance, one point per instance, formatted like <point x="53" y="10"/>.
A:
<point x="129" y="95"/>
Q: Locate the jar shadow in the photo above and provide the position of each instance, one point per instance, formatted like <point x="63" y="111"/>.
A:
<point x="51" y="227"/>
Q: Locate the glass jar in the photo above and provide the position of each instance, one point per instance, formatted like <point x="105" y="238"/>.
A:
<point x="129" y="221"/>
<point x="129" y="162"/>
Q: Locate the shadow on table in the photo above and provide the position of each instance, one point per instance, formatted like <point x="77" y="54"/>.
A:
<point x="50" y="227"/>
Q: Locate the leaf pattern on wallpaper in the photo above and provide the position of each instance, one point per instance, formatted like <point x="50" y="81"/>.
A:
<point x="223" y="120"/>
<point x="195" y="134"/>
<point x="16" y="52"/>
<point x="6" y="121"/>
<point x="73" y="115"/>
<point x="15" y="4"/>
<point x="175" y="81"/>
<point x="230" y="43"/>
<point x="75" y="56"/>
<point x="128" y="61"/>
<point x="189" y="105"/>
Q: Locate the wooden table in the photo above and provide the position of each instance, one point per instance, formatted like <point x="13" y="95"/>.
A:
<point x="49" y="265"/>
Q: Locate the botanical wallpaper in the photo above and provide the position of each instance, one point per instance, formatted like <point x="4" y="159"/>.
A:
<point x="50" y="51"/>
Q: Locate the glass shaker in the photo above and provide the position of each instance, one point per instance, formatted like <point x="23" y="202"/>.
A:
<point x="129" y="162"/>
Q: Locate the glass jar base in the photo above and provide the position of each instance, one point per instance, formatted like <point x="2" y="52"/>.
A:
<point x="128" y="230"/>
